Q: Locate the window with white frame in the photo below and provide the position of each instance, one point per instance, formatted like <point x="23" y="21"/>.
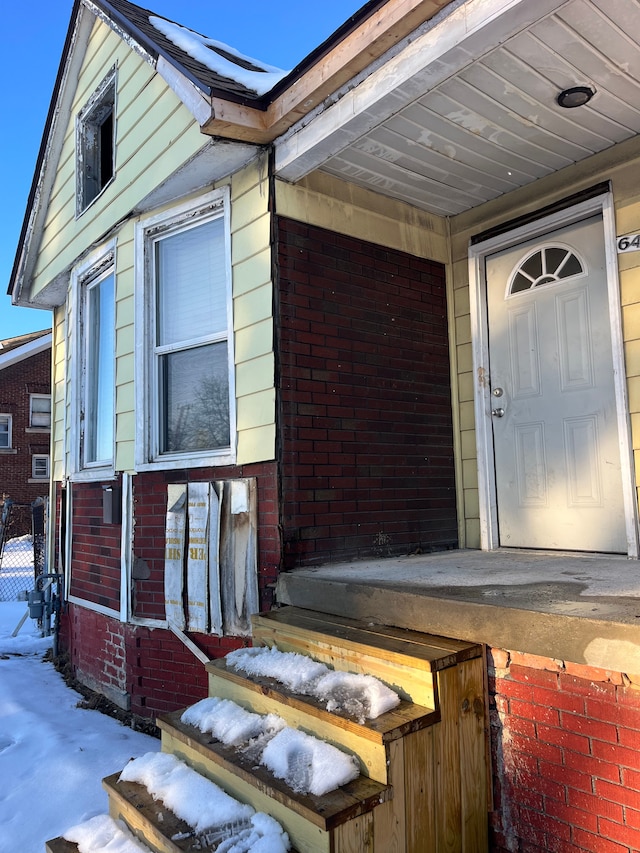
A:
<point x="5" y="432"/>
<point x="190" y="408"/>
<point x="40" y="466"/>
<point x="40" y="411"/>
<point x="96" y="355"/>
<point x="95" y="143"/>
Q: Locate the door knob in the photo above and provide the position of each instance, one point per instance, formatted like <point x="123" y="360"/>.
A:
<point x="497" y="413"/>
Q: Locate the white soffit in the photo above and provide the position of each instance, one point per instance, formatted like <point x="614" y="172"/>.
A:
<point x="467" y="110"/>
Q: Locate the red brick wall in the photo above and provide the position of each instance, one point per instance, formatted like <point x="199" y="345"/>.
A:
<point x="150" y="507"/>
<point x="365" y="408"/>
<point x="30" y="376"/>
<point x="149" y="664"/>
<point x="95" y="560"/>
<point x="566" y="757"/>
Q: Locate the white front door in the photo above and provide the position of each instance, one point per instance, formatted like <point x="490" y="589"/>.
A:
<point x="555" y="432"/>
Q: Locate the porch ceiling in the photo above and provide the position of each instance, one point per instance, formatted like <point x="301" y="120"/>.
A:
<point x="466" y="110"/>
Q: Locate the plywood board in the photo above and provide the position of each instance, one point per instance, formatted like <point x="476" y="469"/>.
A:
<point x="238" y="555"/>
<point x="216" y="492"/>
<point x="174" y="554"/>
<point x="198" y="556"/>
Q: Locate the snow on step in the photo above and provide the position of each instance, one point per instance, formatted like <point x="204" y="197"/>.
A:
<point x="204" y="806"/>
<point x="308" y="765"/>
<point x="351" y="694"/>
<point x="103" y="834"/>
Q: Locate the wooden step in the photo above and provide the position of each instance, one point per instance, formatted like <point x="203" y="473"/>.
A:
<point x="404" y="660"/>
<point x="308" y="819"/>
<point x="367" y="741"/>
<point x="151" y="821"/>
<point x="60" y="845"/>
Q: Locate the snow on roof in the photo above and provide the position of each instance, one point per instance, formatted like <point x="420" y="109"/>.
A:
<point x="346" y="693"/>
<point x="250" y="73"/>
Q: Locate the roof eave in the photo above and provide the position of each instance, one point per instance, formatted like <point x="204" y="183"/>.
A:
<point x="362" y="41"/>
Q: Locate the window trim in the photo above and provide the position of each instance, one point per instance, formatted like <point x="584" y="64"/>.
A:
<point x="35" y="428"/>
<point x="9" y="418"/>
<point x="83" y="123"/>
<point x="96" y="267"/>
<point x="147" y="448"/>
<point x="34" y="476"/>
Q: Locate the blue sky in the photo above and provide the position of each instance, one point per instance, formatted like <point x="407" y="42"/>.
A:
<point x="280" y="32"/>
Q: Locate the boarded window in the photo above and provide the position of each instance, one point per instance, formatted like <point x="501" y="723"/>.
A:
<point x="211" y="580"/>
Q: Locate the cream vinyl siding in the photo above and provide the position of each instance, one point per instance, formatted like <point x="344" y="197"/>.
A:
<point x="621" y="165"/>
<point x="328" y="202"/>
<point x="253" y="314"/>
<point x="252" y="293"/>
<point x="152" y="126"/>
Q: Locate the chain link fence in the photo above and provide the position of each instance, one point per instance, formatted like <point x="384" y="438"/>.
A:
<point x="22" y="548"/>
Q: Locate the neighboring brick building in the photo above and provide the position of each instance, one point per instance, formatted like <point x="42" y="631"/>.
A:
<point x="25" y="416"/>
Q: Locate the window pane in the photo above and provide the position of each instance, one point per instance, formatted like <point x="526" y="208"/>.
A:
<point x="4" y="432"/>
<point x="99" y="377"/>
<point x="41" y="412"/>
<point x="192" y="299"/>
<point x="41" y="467"/>
<point x="196" y="397"/>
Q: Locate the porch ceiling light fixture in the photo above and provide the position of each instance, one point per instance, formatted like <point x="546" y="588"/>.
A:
<point x="576" y="96"/>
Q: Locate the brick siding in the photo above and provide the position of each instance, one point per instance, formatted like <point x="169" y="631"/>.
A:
<point x="95" y="563"/>
<point x="18" y="381"/>
<point x="150" y="665"/>
<point x="566" y="757"/>
<point x="365" y="407"/>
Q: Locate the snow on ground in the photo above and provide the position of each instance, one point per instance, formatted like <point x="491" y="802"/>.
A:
<point x="53" y="755"/>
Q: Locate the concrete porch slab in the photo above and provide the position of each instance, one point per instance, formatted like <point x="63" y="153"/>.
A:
<point x="583" y="608"/>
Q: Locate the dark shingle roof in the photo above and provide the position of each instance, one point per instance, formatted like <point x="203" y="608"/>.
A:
<point x="134" y="20"/>
<point x="9" y="344"/>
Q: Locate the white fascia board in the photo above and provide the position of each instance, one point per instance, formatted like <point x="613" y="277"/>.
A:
<point x="27" y="350"/>
<point x="194" y="100"/>
<point x="442" y="47"/>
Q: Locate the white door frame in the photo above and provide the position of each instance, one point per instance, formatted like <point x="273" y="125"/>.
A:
<point x="601" y="204"/>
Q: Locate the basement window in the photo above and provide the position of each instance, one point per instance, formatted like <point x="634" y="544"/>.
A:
<point x="95" y="143"/>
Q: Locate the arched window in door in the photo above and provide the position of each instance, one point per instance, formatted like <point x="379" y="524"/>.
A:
<point x="547" y="265"/>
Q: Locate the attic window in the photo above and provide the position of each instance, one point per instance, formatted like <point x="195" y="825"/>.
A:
<point x="95" y="146"/>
